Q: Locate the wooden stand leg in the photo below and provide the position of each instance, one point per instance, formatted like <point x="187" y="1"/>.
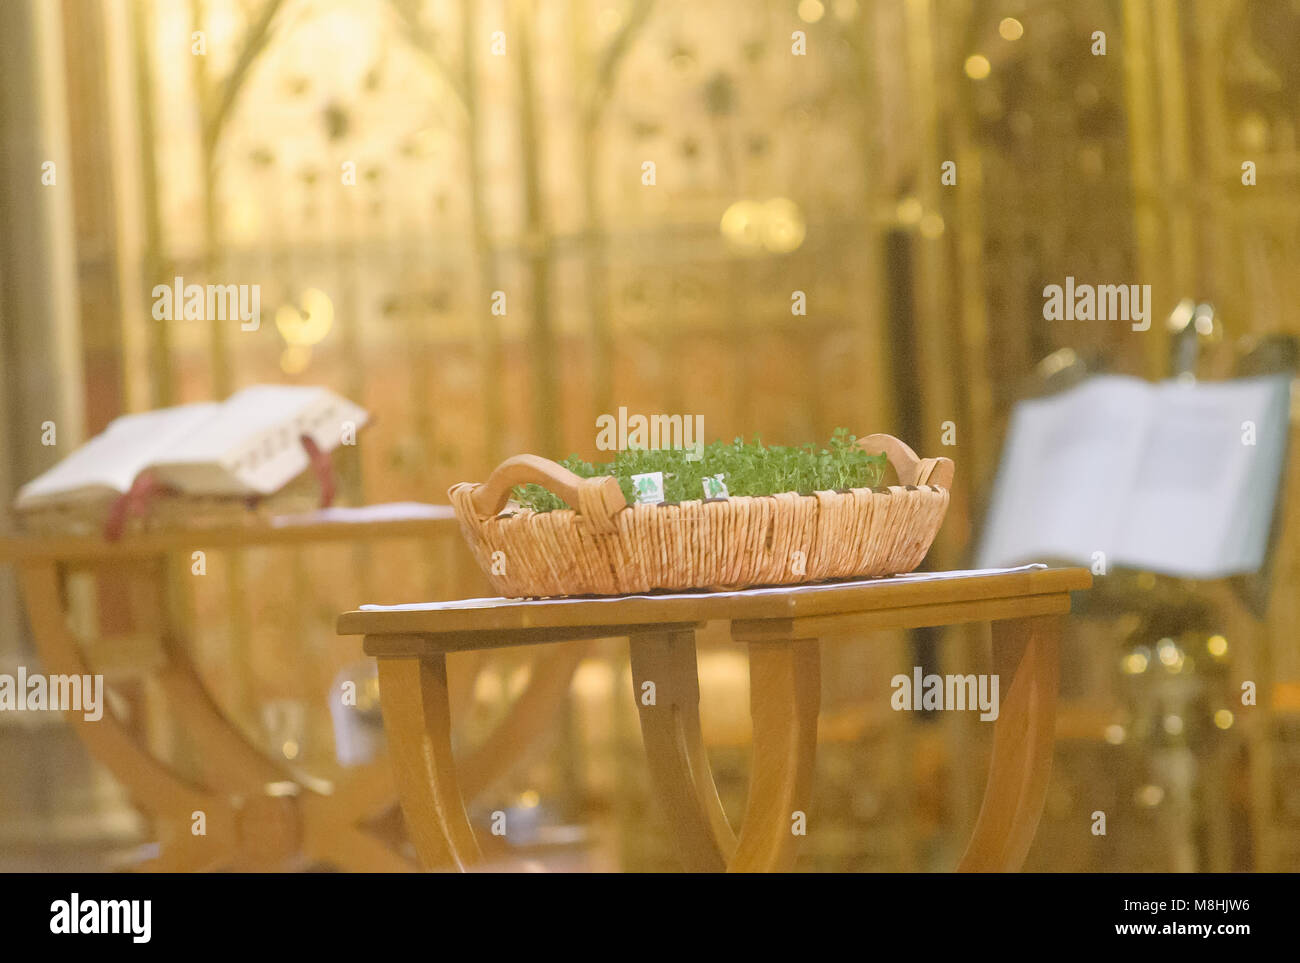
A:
<point x="228" y="762"/>
<point x="784" y="699"/>
<point x="246" y="826"/>
<point x="417" y="721"/>
<point x="678" y="761"/>
<point x="292" y="830"/>
<point x="152" y="785"/>
<point x="369" y="794"/>
<point x="1025" y="652"/>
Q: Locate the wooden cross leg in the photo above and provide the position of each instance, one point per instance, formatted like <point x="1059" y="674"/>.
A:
<point x="246" y="811"/>
<point x="784" y="699"/>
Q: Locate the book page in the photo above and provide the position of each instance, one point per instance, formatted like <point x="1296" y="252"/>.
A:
<point x="1066" y="473"/>
<point x="1203" y="497"/>
<point x="252" y="445"/>
<point x="108" y="464"/>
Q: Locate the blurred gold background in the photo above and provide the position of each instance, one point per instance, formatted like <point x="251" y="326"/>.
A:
<point x="380" y="171"/>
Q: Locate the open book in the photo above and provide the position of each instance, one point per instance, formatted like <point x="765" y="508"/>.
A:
<point x="249" y="444"/>
<point x="1171" y="477"/>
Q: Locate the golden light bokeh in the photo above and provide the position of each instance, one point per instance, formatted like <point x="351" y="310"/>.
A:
<point x="846" y="9"/>
<point x="309" y="325"/>
<point x="783" y="225"/>
<point x="1171" y="656"/>
<point x="810" y="11"/>
<point x="932" y="226"/>
<point x="1011" y="29"/>
<point x="977" y="66"/>
<point x="742" y="224"/>
<point x="1135" y="663"/>
<point x="1149" y="796"/>
<point x="776" y="226"/>
<point x="909" y="211"/>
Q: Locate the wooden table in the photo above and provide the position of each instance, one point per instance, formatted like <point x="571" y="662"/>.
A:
<point x="261" y="813"/>
<point x="782" y="629"/>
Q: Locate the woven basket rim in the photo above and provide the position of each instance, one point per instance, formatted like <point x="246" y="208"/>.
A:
<point x="525" y="511"/>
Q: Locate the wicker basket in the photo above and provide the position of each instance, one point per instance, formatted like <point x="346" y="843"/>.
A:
<point x="607" y="547"/>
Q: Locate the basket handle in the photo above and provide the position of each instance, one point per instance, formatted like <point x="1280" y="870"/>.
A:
<point x="911" y="469"/>
<point x="597" y="499"/>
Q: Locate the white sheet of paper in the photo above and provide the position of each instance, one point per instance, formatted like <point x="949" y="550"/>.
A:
<point x="769" y="590"/>
<point x="387" y="512"/>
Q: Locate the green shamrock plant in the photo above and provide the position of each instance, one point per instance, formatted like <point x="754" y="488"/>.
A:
<point x="748" y="469"/>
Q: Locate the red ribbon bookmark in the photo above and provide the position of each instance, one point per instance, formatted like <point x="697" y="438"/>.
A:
<point x="135" y="502"/>
<point x="322" y="467"/>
